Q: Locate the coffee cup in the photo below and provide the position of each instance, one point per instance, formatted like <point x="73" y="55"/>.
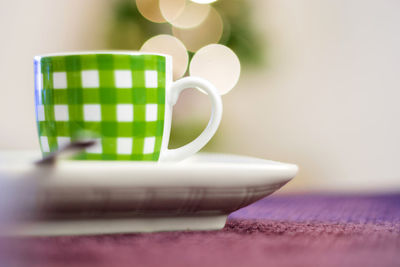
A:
<point x="122" y="100"/>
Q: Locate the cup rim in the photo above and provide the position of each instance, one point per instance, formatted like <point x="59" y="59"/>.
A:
<point x="94" y="52"/>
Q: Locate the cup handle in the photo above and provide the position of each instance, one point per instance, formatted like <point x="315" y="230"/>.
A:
<point x="212" y="126"/>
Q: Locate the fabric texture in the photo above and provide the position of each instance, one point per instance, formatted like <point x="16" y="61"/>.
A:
<point x="291" y="230"/>
<point x="117" y="98"/>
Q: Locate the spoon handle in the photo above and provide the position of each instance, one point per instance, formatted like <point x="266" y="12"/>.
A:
<point x="69" y="150"/>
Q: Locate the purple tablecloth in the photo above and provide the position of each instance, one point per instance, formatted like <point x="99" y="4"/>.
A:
<point x="291" y="230"/>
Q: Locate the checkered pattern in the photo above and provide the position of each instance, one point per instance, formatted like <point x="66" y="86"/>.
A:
<point x="119" y="98"/>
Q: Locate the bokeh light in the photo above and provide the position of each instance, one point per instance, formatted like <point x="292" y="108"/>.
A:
<point x="217" y="64"/>
<point x="196" y="27"/>
<point x="150" y="9"/>
<point x="168" y="44"/>
<point x="192" y="15"/>
<point x="204" y="1"/>
<point x="172" y="9"/>
<point x="208" y="32"/>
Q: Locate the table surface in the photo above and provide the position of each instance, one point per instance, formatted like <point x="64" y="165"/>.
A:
<point x="282" y="230"/>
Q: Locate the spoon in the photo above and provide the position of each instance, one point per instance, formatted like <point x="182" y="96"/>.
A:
<point x="66" y="151"/>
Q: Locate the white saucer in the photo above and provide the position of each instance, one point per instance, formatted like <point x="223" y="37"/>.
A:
<point x="93" y="197"/>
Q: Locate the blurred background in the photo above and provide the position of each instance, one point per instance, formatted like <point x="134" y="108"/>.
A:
<point x="319" y="85"/>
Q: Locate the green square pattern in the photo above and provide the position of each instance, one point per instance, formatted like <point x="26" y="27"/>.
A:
<point x="118" y="98"/>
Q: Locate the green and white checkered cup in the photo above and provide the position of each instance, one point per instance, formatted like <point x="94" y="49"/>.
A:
<point x="124" y="100"/>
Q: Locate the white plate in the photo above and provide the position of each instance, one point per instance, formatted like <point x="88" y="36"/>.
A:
<point x="91" y="197"/>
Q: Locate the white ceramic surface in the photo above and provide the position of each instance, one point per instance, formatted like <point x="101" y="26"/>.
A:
<point x="89" y="197"/>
